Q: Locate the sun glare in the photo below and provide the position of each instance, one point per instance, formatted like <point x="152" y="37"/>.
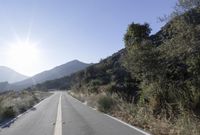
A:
<point x="23" y="55"/>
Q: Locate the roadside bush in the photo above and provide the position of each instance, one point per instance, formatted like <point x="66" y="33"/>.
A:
<point x="9" y="112"/>
<point x="105" y="104"/>
<point x="0" y="111"/>
<point x="22" y="109"/>
<point x="96" y="82"/>
<point x="92" y="89"/>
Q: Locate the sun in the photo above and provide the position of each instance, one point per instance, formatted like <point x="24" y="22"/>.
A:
<point x="23" y="52"/>
<point x="23" y="55"/>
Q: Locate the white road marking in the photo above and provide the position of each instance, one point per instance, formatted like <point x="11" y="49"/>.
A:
<point x="58" y="125"/>
<point x="141" y="131"/>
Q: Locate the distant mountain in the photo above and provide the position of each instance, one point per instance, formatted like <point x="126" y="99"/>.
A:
<point x="9" y="75"/>
<point x="3" y="86"/>
<point x="107" y="71"/>
<point x="57" y="72"/>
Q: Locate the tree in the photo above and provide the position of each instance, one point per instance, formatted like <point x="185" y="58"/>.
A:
<point x="142" y="59"/>
<point x="180" y="8"/>
<point x="136" y="33"/>
<point x="184" y="5"/>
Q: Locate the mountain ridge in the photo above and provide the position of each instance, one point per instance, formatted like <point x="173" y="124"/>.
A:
<point x="9" y="75"/>
<point x="54" y="73"/>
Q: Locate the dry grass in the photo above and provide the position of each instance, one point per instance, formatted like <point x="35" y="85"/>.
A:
<point x="143" y="117"/>
<point x="13" y="103"/>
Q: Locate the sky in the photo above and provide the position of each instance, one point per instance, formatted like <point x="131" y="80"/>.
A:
<point x="59" y="31"/>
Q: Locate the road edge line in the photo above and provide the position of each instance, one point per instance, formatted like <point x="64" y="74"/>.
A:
<point x="139" y="130"/>
<point x="114" y="118"/>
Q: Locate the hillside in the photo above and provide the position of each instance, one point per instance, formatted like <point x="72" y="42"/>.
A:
<point x="57" y="72"/>
<point x="109" y="71"/>
<point x="9" y="75"/>
<point x="153" y="83"/>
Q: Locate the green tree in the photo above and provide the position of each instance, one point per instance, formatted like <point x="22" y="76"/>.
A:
<point x="181" y="7"/>
<point x="142" y="58"/>
<point x="184" y="5"/>
<point x="136" y="33"/>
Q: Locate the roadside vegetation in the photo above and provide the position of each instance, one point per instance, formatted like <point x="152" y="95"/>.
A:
<point x="154" y="83"/>
<point x="141" y="116"/>
<point x="13" y="103"/>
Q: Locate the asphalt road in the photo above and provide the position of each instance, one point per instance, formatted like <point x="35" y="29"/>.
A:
<point x="60" y="114"/>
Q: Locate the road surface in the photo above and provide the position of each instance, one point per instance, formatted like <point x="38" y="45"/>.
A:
<point x="60" y="114"/>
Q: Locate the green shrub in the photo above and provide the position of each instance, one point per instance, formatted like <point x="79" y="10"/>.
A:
<point x="0" y="111"/>
<point x="105" y="103"/>
<point x="93" y="89"/>
<point x="9" y="112"/>
<point x="96" y="82"/>
<point x="22" y="109"/>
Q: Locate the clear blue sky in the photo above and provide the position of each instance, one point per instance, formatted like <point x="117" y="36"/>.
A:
<point x="87" y="30"/>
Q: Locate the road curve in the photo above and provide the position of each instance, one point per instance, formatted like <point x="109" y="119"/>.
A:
<point x="74" y="117"/>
